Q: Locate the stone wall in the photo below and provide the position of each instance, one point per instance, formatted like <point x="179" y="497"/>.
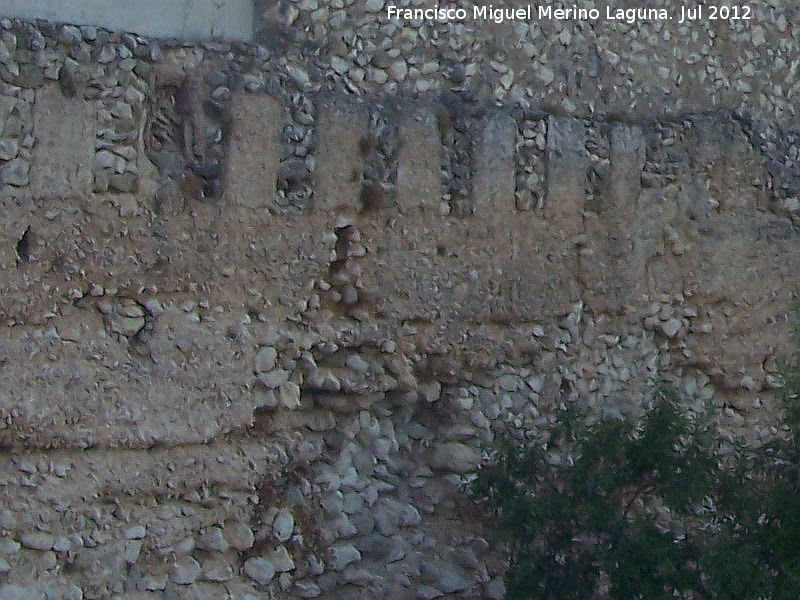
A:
<point x="260" y="319"/>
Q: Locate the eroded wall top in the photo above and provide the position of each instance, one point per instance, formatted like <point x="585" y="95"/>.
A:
<point x="645" y="66"/>
<point x="606" y="59"/>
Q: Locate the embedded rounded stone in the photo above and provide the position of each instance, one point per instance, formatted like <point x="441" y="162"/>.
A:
<point x="451" y="582"/>
<point x="9" y="149"/>
<point x="671" y="327"/>
<point x="408" y="516"/>
<point x="456" y="457"/>
<point x="186" y="571"/>
<point x="104" y="159"/>
<point x="398" y="70"/>
<point x="342" y="556"/>
<point x="15" y="172"/>
<point x="217" y="570"/>
<point x="289" y="395"/>
<point x="281" y="560"/>
<point x="357" y="363"/>
<point x="509" y="382"/>
<point x="212" y="539"/>
<point x="239" y="536"/>
<point x="307" y="589"/>
<point x="127" y="325"/>
<point x="273" y="379"/>
<point x="427" y="592"/>
<point x="259" y="569"/>
<point x="266" y="359"/>
<point x="137" y="532"/>
<point x="283" y="525"/>
<point x="37" y="541"/>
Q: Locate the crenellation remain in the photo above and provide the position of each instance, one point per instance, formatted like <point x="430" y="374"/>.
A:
<point x="264" y="308"/>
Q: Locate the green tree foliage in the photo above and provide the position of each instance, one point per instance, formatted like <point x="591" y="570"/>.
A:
<point x="648" y="512"/>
